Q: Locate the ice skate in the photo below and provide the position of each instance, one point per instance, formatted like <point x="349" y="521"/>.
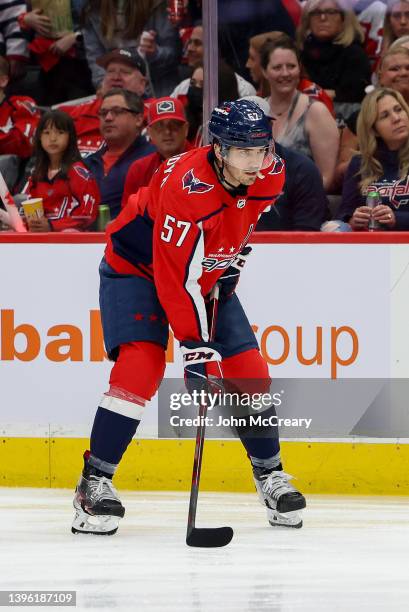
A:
<point x="282" y="500"/>
<point x="96" y="502"/>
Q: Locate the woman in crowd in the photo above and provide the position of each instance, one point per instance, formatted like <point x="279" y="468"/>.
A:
<point x="126" y="24"/>
<point x="64" y="72"/>
<point x="330" y="40"/>
<point x="256" y="46"/>
<point x="393" y="72"/>
<point x="396" y="22"/>
<point x="301" y="123"/>
<point x="382" y="164"/>
<point x="70" y="194"/>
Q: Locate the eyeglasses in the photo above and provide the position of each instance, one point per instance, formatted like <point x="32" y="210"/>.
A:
<point x="399" y="14"/>
<point x="115" y="111"/>
<point x="325" y="13"/>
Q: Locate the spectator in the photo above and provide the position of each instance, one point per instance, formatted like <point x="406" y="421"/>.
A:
<point x="394" y="71"/>
<point x="303" y="205"/>
<point x="382" y="164"/>
<point x="258" y="44"/>
<point x="121" y="116"/>
<point x="238" y="21"/>
<point x="301" y="124"/>
<point x="70" y="194"/>
<point x="195" y="59"/>
<point x="332" y="54"/>
<point x="142" y="26"/>
<point x="167" y="130"/>
<point x="12" y="42"/>
<point x="64" y="73"/>
<point x="18" y="118"/>
<point x="123" y="68"/>
<point x="194" y="108"/>
<point x="396" y="23"/>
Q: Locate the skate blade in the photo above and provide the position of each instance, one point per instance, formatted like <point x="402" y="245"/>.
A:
<point x="289" y="519"/>
<point x="95" y="525"/>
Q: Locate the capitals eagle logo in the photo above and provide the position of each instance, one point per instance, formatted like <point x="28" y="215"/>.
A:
<point x="195" y="185"/>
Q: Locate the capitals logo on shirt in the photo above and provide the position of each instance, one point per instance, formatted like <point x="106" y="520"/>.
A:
<point x="195" y="185"/>
<point x="277" y="165"/>
<point x="82" y="172"/>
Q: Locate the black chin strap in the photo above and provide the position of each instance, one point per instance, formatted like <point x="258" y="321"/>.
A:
<point x="236" y="189"/>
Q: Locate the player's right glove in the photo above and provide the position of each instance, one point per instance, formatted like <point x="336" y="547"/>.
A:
<point x="197" y="357"/>
<point x="229" y="279"/>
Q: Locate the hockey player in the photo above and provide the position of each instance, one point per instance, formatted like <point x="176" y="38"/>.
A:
<point x="166" y="250"/>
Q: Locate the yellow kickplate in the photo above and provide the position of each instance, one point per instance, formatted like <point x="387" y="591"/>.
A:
<point x="319" y="467"/>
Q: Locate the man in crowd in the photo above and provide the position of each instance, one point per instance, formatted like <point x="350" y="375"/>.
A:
<point x="121" y="117"/>
<point x="124" y="68"/>
<point x="167" y="129"/>
<point x="195" y="59"/>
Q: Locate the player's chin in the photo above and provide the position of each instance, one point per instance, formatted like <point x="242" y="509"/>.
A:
<point x="248" y="178"/>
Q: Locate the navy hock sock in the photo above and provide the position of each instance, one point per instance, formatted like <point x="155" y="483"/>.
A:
<point x="111" y="435"/>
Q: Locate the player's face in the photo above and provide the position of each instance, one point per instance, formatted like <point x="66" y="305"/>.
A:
<point x="392" y="123"/>
<point x="243" y="165"/>
<point x="168" y="136"/>
<point x="283" y="71"/>
<point x="395" y="73"/>
<point x="54" y="141"/>
<point x="124" y="76"/>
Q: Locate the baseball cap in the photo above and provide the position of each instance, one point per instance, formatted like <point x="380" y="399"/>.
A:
<point x="166" y="108"/>
<point x="126" y="56"/>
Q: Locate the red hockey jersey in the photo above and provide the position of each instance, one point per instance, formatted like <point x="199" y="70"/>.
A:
<point x="19" y="117"/>
<point x="69" y="203"/>
<point x="184" y="230"/>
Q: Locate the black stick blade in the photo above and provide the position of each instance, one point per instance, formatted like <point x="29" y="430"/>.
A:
<point x="209" y="538"/>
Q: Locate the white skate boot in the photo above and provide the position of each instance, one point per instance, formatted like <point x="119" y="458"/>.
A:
<point x="96" y="502"/>
<point x="282" y="500"/>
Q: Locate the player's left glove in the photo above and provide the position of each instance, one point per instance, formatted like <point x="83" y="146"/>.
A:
<point x="197" y="357"/>
<point x="229" y="279"/>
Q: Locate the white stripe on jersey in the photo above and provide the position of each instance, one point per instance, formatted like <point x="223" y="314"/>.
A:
<point x="192" y="286"/>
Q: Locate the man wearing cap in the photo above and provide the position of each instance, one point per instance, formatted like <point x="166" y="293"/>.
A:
<point x="124" y="68"/>
<point x="167" y="129"/>
<point x="121" y="117"/>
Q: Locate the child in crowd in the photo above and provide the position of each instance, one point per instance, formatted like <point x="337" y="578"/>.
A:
<point x="69" y="192"/>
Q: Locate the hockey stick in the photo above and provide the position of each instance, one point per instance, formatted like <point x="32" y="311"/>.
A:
<point x="14" y="218"/>
<point x="195" y="536"/>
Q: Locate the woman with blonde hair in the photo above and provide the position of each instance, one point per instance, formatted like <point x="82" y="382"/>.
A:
<point x="330" y="41"/>
<point x="381" y="166"/>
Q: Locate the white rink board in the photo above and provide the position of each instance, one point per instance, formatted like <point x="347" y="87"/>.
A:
<point x="283" y="285"/>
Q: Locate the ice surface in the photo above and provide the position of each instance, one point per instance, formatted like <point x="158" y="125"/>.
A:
<point x="351" y="554"/>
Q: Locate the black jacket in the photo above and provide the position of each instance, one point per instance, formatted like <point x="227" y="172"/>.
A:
<point x="343" y="69"/>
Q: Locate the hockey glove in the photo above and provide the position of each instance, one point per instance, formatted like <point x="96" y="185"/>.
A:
<point x="197" y="357"/>
<point x="229" y="279"/>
